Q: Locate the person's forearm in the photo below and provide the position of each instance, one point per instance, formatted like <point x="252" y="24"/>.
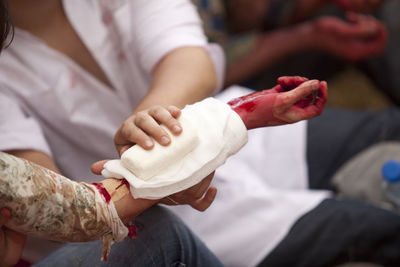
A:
<point x="270" y="48"/>
<point x="127" y="207"/>
<point x="48" y="205"/>
<point x="182" y="77"/>
<point x="36" y="157"/>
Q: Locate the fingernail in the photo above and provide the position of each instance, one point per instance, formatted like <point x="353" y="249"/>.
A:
<point x="176" y="128"/>
<point x="148" y="143"/>
<point x="315" y="85"/>
<point x="164" y="140"/>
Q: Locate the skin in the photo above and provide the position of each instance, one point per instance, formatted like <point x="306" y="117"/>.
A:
<point x="46" y="20"/>
<point x="200" y="197"/>
<point x="361" y="37"/>
<point x="248" y="15"/>
<point x="288" y="102"/>
<point x="307" y="8"/>
<point x="357" y="38"/>
<point x="11" y="242"/>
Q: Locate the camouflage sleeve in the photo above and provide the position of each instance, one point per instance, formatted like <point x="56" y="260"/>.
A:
<point x="48" y="205"/>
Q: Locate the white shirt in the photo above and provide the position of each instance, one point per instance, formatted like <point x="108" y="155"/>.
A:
<point x="262" y="191"/>
<point x="49" y="103"/>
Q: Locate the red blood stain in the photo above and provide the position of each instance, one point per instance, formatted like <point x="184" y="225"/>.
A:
<point x="123" y="182"/>
<point x="245" y="103"/>
<point x="105" y="256"/>
<point x="132" y="231"/>
<point x="103" y="191"/>
<point x="246" y="106"/>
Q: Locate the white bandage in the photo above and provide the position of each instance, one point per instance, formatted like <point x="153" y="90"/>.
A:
<point x="145" y="164"/>
<point x="221" y="133"/>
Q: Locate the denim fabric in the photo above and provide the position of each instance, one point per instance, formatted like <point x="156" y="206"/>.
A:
<point x="337" y="135"/>
<point x="162" y="240"/>
<point x="338" y="232"/>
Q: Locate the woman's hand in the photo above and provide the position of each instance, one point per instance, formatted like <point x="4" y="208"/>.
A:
<point x="142" y="125"/>
<point x="199" y="196"/>
<point x="11" y="242"/>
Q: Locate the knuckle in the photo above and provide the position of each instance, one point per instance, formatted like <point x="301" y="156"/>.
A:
<point x="140" y="118"/>
<point x="156" y="110"/>
<point x="124" y="125"/>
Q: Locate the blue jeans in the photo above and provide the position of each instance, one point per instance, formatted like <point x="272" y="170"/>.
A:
<point x="340" y="231"/>
<point x="338" y="135"/>
<point x="162" y="240"/>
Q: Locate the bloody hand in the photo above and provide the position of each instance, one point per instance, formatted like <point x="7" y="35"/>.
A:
<point x="292" y="100"/>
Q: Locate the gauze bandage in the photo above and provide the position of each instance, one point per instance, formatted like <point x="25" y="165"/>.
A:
<point x="220" y="133"/>
<point x="145" y="164"/>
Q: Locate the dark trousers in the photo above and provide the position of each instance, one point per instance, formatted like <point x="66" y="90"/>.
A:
<point x="340" y="231"/>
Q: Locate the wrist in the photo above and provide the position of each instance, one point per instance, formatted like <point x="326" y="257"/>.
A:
<point x="127" y="207"/>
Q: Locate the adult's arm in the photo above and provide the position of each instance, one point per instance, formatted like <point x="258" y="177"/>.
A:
<point x="183" y="76"/>
<point x="269" y="48"/>
<point x="305" y="9"/>
<point x="170" y="46"/>
<point x="355" y="39"/>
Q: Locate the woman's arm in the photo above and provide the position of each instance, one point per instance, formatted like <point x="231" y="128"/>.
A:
<point x="184" y="76"/>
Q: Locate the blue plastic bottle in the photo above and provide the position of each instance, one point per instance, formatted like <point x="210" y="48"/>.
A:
<point x="391" y="181"/>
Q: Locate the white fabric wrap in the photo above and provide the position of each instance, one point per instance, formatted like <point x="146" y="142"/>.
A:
<point x="145" y="164"/>
<point x="221" y="133"/>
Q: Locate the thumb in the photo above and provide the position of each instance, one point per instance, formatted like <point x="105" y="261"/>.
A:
<point x="98" y="166"/>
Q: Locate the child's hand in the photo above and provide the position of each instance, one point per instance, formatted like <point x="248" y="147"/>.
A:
<point x="142" y="125"/>
<point x="292" y="100"/>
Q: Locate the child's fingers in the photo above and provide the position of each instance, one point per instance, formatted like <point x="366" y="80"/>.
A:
<point x="175" y="112"/>
<point x="147" y="123"/>
<point x="171" y="122"/>
<point x="130" y="133"/>
<point x="167" y="118"/>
